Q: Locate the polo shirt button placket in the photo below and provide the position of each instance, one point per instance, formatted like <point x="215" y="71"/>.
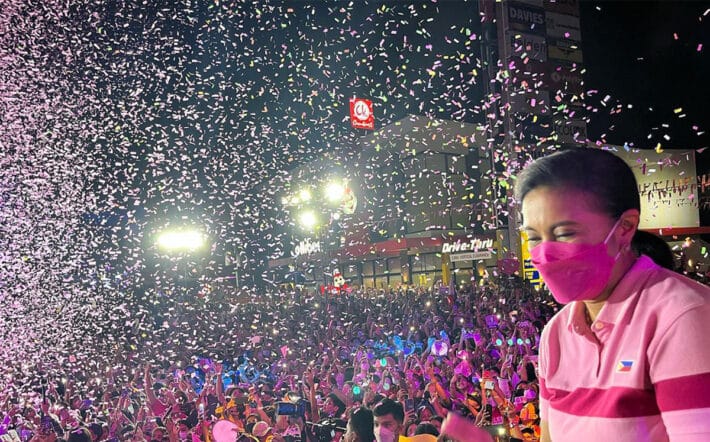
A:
<point x="598" y="326"/>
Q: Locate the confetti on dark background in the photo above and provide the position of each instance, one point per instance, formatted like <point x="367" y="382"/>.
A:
<point x="119" y="119"/>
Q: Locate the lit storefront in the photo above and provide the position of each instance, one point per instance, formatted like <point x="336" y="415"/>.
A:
<point x="417" y="183"/>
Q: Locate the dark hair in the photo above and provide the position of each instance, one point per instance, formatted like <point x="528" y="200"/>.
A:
<point x="596" y="172"/>
<point x="362" y="423"/>
<point x="338" y="403"/>
<point x="96" y="429"/>
<point x="426" y="428"/>
<point x="388" y="406"/>
<point x="80" y="435"/>
<point x="527" y="431"/>
<point x="645" y="243"/>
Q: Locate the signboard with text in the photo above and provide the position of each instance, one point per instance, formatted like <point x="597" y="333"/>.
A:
<point x="535" y="102"/>
<point x="474" y="245"/>
<point x="530" y="273"/>
<point x="527" y="46"/>
<point x="565" y="78"/>
<point x="668" y="186"/>
<point x="361" y="114"/>
<point x="570" y="131"/>
<point x="566" y="50"/>
<point x="563" y="26"/>
<point x="471" y="256"/>
<point x="570" y="7"/>
<point x="306" y="247"/>
<point x="522" y="17"/>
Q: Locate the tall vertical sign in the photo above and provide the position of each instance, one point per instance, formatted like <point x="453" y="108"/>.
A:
<point x="529" y="271"/>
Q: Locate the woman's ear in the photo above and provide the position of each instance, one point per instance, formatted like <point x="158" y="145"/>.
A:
<point x="628" y="226"/>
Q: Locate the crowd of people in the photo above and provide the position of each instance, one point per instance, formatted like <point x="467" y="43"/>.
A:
<point x="356" y="366"/>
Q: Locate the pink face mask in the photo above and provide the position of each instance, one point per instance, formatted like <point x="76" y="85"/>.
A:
<point x="574" y="272"/>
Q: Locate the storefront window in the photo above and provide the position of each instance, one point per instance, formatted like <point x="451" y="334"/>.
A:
<point x="426" y="279"/>
<point x="463" y="276"/>
<point x="380" y="267"/>
<point x="367" y="268"/>
<point x="394" y="265"/>
<point x="463" y="264"/>
<point x="381" y="282"/>
<point x="426" y="263"/>
<point x="368" y="283"/>
<point x="351" y="271"/>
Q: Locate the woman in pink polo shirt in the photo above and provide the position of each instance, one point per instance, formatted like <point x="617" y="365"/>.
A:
<point x="627" y="357"/>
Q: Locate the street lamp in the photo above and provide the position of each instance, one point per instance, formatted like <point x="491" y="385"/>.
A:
<point x="180" y="240"/>
<point x="305" y="195"/>
<point x="308" y="219"/>
<point x="334" y="191"/>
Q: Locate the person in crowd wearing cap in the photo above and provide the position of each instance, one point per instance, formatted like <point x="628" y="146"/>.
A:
<point x="262" y="431"/>
<point x="626" y="358"/>
<point x="233" y="413"/>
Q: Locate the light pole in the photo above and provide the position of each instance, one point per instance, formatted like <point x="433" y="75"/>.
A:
<point x="232" y="258"/>
<point x="313" y="214"/>
<point x="181" y="242"/>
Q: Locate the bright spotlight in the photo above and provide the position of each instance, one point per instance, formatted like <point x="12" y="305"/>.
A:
<point x="334" y="191"/>
<point x="181" y="240"/>
<point x="305" y="195"/>
<point x="308" y="219"/>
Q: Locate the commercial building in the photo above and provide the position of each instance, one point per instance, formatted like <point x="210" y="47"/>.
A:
<point x="417" y="192"/>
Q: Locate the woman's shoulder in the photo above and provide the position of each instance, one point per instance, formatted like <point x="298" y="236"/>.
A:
<point x="665" y="287"/>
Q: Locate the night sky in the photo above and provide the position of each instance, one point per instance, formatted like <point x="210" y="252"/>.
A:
<point x="651" y="55"/>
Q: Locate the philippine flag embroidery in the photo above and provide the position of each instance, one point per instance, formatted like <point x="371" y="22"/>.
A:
<point x="624" y="366"/>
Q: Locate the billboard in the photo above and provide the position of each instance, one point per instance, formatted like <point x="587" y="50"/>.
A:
<point x="529" y="271"/>
<point x="361" y="114"/>
<point x="471" y="256"/>
<point x="565" y="78"/>
<point x="524" y="45"/>
<point x="533" y="102"/>
<point x="572" y="131"/>
<point x="570" y="7"/>
<point x="667" y="184"/>
<point x="562" y="26"/>
<point x="564" y="50"/>
<point x="522" y="17"/>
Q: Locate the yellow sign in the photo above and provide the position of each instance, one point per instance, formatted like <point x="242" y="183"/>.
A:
<point x="529" y="271"/>
<point x="445" y="269"/>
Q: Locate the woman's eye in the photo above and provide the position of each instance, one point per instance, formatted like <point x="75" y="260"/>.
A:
<point x="564" y="235"/>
